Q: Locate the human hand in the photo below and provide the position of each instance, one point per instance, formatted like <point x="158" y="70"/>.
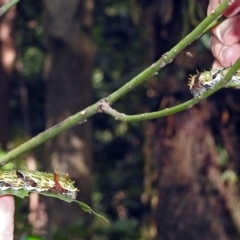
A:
<point x="6" y="217"/>
<point x="225" y="41"/>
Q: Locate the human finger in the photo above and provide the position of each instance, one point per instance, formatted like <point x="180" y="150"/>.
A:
<point x="228" y="32"/>
<point x="6" y="217"/>
<point x="216" y="65"/>
<point x="225" y="55"/>
<point x="232" y="10"/>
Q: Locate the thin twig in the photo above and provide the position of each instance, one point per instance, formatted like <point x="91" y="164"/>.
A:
<point x="78" y="118"/>
<point x="169" y="56"/>
<point x="143" y="76"/>
<point x="7" y="6"/>
<point x="168" y="111"/>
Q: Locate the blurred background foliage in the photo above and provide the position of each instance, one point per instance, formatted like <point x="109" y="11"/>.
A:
<point x="129" y="36"/>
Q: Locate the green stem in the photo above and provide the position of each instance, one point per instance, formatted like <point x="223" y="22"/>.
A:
<point x="143" y="76"/>
<point x="214" y="23"/>
<point x="168" y="111"/>
<point x="7" y="6"/>
<point x="169" y="56"/>
<point x="78" y="118"/>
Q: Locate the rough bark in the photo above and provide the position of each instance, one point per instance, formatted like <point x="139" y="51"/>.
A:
<point x="192" y="201"/>
<point x="68" y="70"/>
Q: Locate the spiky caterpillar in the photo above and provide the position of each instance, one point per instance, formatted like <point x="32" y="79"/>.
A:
<point x="203" y="81"/>
<point x="34" y="181"/>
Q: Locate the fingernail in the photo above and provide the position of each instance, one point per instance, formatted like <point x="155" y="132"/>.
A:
<point x="224" y="50"/>
<point x="226" y="39"/>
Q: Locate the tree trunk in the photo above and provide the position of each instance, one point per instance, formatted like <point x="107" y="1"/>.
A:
<point x="68" y="70"/>
<point x="194" y="200"/>
<point x="193" y="150"/>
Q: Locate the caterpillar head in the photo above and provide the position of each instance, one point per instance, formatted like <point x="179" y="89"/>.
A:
<point x="200" y="83"/>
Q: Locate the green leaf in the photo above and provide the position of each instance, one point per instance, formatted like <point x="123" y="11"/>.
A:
<point x="24" y="193"/>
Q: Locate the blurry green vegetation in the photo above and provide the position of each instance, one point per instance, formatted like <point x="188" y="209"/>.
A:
<point x="118" y="160"/>
<point x="32" y="60"/>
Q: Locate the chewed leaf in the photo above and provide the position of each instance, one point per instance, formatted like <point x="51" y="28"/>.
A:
<point x="24" y="193"/>
<point x="18" y="193"/>
<point x="84" y="206"/>
<point x="20" y="182"/>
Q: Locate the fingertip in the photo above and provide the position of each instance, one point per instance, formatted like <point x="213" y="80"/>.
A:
<point x="224" y="55"/>
<point x="233" y="9"/>
<point x="217" y="48"/>
<point x="228" y="32"/>
<point x="6" y="204"/>
<point x="225" y="43"/>
<point x="230" y="55"/>
<point x="6" y="217"/>
<point x="216" y="65"/>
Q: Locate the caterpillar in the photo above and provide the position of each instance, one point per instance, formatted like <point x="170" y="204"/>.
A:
<point x="35" y="181"/>
<point x="203" y="81"/>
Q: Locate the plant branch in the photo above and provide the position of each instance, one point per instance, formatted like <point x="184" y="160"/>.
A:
<point x="7" y="6"/>
<point x="169" y="56"/>
<point x="78" y="118"/>
<point x="217" y="21"/>
<point x="225" y="82"/>
<point x="143" y="76"/>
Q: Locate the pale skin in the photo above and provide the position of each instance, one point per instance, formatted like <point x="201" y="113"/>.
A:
<point x="225" y="46"/>
<point x="6" y="217"/>
<point x="225" y="41"/>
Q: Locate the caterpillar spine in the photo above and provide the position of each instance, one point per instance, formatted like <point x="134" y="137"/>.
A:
<point x="203" y="81"/>
<point x="35" y="181"/>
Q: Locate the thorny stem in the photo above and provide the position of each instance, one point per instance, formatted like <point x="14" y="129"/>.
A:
<point x="104" y="105"/>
